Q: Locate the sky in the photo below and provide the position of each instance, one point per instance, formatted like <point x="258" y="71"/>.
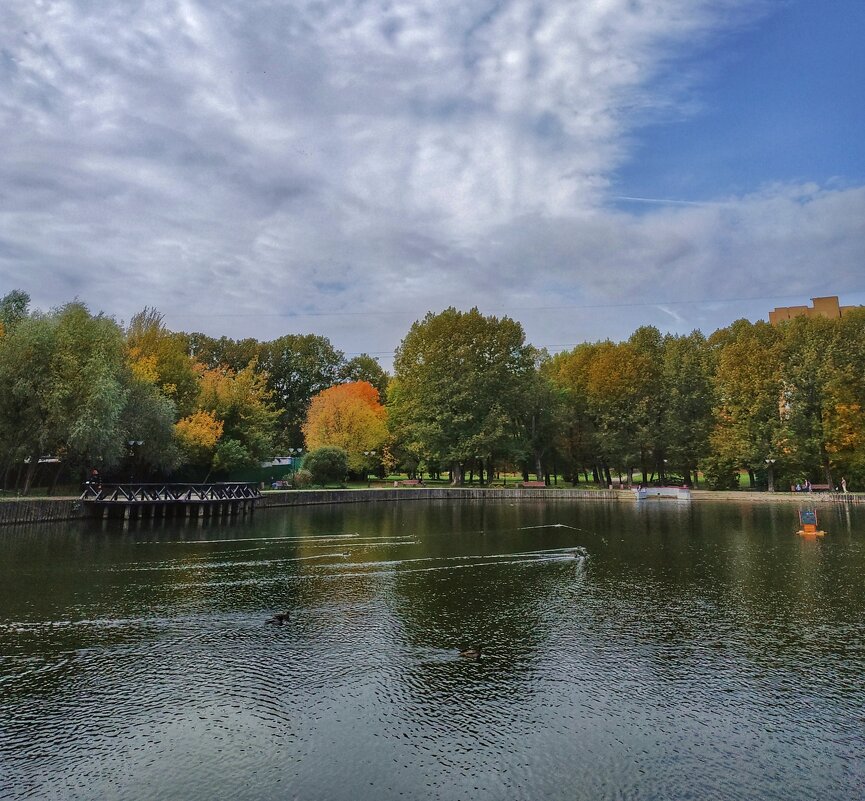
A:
<point x="342" y="167"/>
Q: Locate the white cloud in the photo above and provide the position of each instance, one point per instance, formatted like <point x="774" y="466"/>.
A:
<point x="256" y="159"/>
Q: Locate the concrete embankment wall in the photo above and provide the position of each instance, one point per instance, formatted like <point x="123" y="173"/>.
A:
<point x="39" y="510"/>
<point x="46" y="510"/>
<point x="309" y="497"/>
<point x="799" y="498"/>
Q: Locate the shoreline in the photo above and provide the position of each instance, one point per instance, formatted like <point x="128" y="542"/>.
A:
<point x="18" y="511"/>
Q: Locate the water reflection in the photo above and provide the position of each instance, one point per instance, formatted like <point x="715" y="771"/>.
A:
<point x="645" y="651"/>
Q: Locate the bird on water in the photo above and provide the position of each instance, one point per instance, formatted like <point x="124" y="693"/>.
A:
<point x="279" y="619"/>
<point x="471" y="653"/>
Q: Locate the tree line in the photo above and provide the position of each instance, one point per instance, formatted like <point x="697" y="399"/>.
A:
<point x="468" y="397"/>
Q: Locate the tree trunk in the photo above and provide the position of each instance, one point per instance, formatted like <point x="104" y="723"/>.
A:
<point x="31" y="470"/>
<point x="456" y="474"/>
<point x="827" y="469"/>
<point x="752" y="480"/>
<point x="56" y="476"/>
<point x="539" y="468"/>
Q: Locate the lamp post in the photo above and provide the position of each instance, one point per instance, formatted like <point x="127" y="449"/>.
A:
<point x="133" y="444"/>
<point x="294" y="453"/>
<point x="368" y="455"/>
<point x="770" y="465"/>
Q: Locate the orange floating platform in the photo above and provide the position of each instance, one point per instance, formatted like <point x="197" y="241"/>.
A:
<point x="808" y="521"/>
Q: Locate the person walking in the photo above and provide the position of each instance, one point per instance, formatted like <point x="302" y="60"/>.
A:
<point x="94" y="480"/>
<point x="843" y="485"/>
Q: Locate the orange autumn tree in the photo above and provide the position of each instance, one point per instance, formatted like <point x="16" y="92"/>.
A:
<point x="349" y="416"/>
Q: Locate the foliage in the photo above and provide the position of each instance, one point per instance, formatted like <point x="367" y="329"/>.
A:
<point x="231" y="454"/>
<point x="328" y="465"/>
<point x="577" y="433"/>
<point x="65" y="390"/>
<point x="721" y="473"/>
<point x="748" y="395"/>
<point x="241" y="402"/>
<point x="298" y="367"/>
<point x="366" y="368"/>
<point x="302" y="479"/>
<point x="159" y="357"/>
<point x="13" y="309"/>
<point x="468" y="394"/>
<point x="348" y="416"/>
<point x="686" y="374"/>
<point x="542" y="416"/>
<point x="223" y="352"/>
<point x="198" y="435"/>
<point x="461" y="384"/>
<point x="148" y="417"/>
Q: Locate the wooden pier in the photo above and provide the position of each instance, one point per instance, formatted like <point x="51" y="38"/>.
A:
<point x="134" y="501"/>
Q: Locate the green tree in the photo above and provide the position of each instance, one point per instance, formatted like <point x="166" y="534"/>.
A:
<point x="845" y="402"/>
<point x="812" y="392"/>
<point x="327" y="465"/>
<point x="65" y="392"/>
<point x="687" y="404"/>
<point x="747" y="395"/>
<point x="650" y="399"/>
<point x="366" y="368"/>
<point x="13" y="309"/>
<point x="543" y="412"/>
<point x="460" y="387"/>
<point x="148" y="417"/>
<point x="617" y="381"/>
<point x="298" y="367"/>
<point x="242" y="402"/>
<point x="577" y="435"/>
<point x="27" y="429"/>
<point x="223" y="352"/>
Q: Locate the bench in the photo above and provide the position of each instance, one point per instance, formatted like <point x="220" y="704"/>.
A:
<point x="821" y="488"/>
<point x="409" y="482"/>
<point x="534" y="484"/>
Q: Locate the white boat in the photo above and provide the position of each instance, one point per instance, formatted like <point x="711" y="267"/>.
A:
<point x="676" y="493"/>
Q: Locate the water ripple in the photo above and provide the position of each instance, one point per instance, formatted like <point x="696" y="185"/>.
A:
<point x="633" y="663"/>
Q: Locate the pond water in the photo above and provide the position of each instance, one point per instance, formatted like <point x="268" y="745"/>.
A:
<point x="629" y="651"/>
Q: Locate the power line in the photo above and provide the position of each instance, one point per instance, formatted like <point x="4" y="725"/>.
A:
<point x="568" y="307"/>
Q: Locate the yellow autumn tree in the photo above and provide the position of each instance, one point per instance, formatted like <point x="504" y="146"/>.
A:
<point x="349" y="416"/>
<point x="198" y="435"/>
<point x="158" y="356"/>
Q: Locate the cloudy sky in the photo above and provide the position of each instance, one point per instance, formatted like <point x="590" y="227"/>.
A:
<point x="341" y="167"/>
